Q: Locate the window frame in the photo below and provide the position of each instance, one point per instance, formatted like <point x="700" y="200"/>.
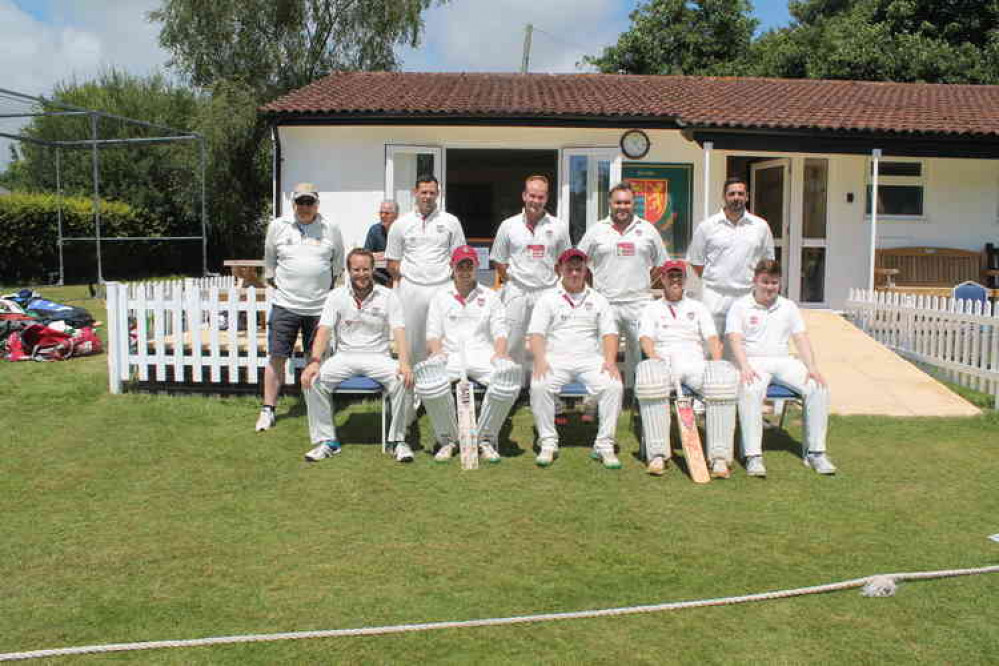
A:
<point x="919" y="181"/>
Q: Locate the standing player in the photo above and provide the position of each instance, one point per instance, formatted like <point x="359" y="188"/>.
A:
<point x="303" y="254"/>
<point x="624" y="251"/>
<point x="573" y="335"/>
<point x="725" y="249"/>
<point x="673" y="332"/>
<point x="758" y="328"/>
<point x="419" y="250"/>
<point x="361" y="317"/>
<point x="466" y="331"/>
<point x="524" y="251"/>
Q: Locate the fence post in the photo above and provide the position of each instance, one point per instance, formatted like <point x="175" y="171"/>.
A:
<point x="114" y="349"/>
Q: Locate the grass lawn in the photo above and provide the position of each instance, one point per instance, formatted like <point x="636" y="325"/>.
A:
<point x="147" y="517"/>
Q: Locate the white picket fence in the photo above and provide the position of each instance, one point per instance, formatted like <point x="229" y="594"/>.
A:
<point x="192" y="331"/>
<point x="959" y="337"/>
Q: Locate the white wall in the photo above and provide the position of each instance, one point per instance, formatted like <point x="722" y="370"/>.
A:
<point x="347" y="163"/>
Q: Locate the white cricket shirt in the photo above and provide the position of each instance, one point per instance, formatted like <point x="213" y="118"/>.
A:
<point x="572" y="327"/>
<point x="530" y="255"/>
<point x="424" y="245"/>
<point x="621" y="261"/>
<point x="365" y="326"/>
<point x="476" y="320"/>
<point x="730" y="251"/>
<point x="677" y="328"/>
<point x="765" y="330"/>
<point x="303" y="260"/>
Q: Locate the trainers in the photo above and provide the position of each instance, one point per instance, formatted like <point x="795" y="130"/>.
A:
<point x="265" y="421"/>
<point x="755" y="467"/>
<point x="607" y="457"/>
<point x="820" y="463"/>
<point x="657" y="466"/>
<point x="443" y="454"/>
<point x="547" y="455"/>
<point x="488" y="453"/>
<point x="719" y="469"/>
<point x="403" y="453"/>
<point x="323" y="450"/>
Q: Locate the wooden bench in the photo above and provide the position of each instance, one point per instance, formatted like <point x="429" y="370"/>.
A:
<point x="927" y="268"/>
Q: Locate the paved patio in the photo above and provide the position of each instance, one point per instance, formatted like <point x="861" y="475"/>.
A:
<point x="865" y="377"/>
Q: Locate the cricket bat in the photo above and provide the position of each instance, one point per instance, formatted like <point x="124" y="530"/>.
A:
<point x="690" y="438"/>
<point x="468" y="436"/>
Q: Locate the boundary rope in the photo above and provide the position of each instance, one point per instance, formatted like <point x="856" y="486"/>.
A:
<point x="876" y="585"/>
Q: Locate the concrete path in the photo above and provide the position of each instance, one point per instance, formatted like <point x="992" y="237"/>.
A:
<point x="865" y="377"/>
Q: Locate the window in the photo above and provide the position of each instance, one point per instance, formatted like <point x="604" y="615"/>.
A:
<point x="900" y="188"/>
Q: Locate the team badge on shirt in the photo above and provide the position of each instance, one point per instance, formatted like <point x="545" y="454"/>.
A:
<point x="536" y="251"/>
<point x="440" y="228"/>
<point x="690" y="316"/>
<point x="626" y="249"/>
<point x="588" y="306"/>
<point x="549" y="232"/>
<point x="754" y="320"/>
<point x="481" y="301"/>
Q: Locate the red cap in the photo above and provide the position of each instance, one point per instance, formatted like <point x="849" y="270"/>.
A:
<point x="572" y="253"/>
<point x="463" y="252"/>
<point x="673" y="265"/>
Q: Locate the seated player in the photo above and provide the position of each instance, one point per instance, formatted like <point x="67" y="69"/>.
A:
<point x="673" y="332"/>
<point x="758" y="328"/>
<point x="466" y="331"/>
<point x="360" y="316"/>
<point x="573" y="335"/>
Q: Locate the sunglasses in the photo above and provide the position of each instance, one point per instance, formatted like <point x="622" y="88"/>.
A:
<point x="305" y="201"/>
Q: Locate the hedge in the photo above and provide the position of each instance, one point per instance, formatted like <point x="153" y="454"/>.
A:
<point x="28" y="241"/>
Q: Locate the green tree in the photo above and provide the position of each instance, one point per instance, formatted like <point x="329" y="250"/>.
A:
<point x="945" y="41"/>
<point x="682" y="37"/>
<point x="248" y="52"/>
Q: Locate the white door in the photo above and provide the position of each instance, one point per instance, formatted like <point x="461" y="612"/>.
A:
<point x="770" y="191"/>
<point x="585" y="177"/>
<point x="403" y="163"/>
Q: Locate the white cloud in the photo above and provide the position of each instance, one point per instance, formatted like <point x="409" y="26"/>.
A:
<point x="488" y="35"/>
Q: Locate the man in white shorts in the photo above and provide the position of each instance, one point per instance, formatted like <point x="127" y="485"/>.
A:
<point x="573" y="335"/>
<point x="524" y="251"/>
<point x="418" y="252"/>
<point x="725" y="249"/>
<point x="360" y="318"/>
<point x="624" y="251"/>
<point x="303" y="255"/>
<point x="466" y="332"/>
<point x="673" y="332"/>
<point x="758" y="328"/>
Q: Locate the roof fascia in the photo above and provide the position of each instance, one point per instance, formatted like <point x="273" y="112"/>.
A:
<point x="645" y="122"/>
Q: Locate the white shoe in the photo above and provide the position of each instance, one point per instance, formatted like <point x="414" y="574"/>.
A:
<point x="719" y="469"/>
<point x="403" y="453"/>
<point x="607" y="457"/>
<point x="444" y="453"/>
<point x="488" y="453"/>
<point x="820" y="463"/>
<point x="265" y="421"/>
<point x="657" y="466"/>
<point x="322" y="451"/>
<point x="755" y="467"/>
<point x="547" y="455"/>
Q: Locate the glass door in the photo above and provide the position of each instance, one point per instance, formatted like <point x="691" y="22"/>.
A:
<point x="812" y="244"/>
<point x="403" y="164"/>
<point x="585" y="177"/>
<point x="770" y="192"/>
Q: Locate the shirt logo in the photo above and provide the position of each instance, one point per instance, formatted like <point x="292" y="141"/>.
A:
<point x="536" y="251"/>
<point x="549" y="232"/>
<point x="626" y="249"/>
<point x="440" y="228"/>
<point x="754" y="320"/>
<point x="588" y="306"/>
<point x="638" y="232"/>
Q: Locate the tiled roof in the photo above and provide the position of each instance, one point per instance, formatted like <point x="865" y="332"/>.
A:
<point x="697" y="101"/>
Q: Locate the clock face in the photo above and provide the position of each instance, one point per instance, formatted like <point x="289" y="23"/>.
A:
<point x="635" y="144"/>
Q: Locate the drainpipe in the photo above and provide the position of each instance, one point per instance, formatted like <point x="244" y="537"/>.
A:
<point x="276" y="170"/>
<point x="876" y="160"/>
<point x="708" y="147"/>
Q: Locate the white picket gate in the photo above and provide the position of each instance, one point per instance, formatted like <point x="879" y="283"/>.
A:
<point x="192" y="331"/>
<point x="957" y="336"/>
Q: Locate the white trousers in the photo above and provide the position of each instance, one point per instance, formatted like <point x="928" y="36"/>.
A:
<point x="718" y="304"/>
<point x="588" y="370"/>
<point x="340" y="367"/>
<point x="519" y="305"/>
<point x="415" y="300"/>
<point x="792" y="373"/>
<point x="628" y="316"/>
